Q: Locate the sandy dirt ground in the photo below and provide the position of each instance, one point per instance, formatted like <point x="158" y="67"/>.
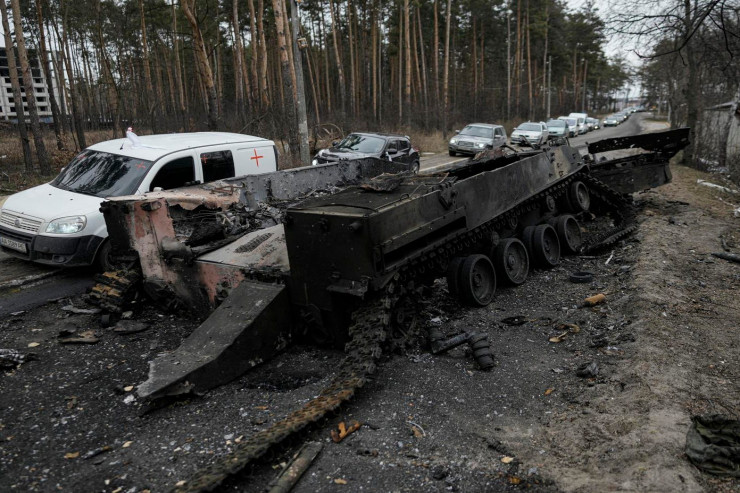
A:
<point x="665" y="344"/>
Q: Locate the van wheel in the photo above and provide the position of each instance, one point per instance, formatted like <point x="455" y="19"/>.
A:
<point x="414" y="167"/>
<point x="103" y="259"/>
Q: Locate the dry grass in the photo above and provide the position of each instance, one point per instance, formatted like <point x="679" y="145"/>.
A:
<point x="13" y="175"/>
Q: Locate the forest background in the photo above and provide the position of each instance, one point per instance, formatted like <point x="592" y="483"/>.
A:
<point x="419" y="67"/>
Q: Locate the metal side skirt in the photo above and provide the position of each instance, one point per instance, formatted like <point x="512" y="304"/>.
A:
<point x="248" y="328"/>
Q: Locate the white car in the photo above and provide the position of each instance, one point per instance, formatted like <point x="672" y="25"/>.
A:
<point x="60" y="223"/>
<point x="530" y="133"/>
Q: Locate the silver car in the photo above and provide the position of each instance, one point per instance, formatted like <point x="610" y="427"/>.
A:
<point x="531" y="134"/>
<point x="477" y="137"/>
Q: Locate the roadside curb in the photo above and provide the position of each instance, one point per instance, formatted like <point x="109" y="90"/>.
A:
<point x="17" y="283"/>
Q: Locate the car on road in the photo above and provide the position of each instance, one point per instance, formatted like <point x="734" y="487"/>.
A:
<point x="572" y="125"/>
<point x="594" y="122"/>
<point x="612" y="121"/>
<point x="358" y="145"/>
<point x="558" y="129"/>
<point x="531" y="134"/>
<point x="60" y="223"/>
<point x="476" y="137"/>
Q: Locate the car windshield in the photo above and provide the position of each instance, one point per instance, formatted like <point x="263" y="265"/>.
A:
<point x="555" y="124"/>
<point x="361" y="143"/>
<point x="529" y="127"/>
<point x="102" y="174"/>
<point x="477" y="131"/>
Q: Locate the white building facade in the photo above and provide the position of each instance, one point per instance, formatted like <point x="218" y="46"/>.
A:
<point x="40" y="87"/>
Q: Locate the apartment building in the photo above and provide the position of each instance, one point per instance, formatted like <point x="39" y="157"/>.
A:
<point x="40" y="87"/>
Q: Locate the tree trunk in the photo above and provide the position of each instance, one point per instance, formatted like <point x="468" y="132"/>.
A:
<point x="38" y="137"/>
<point x="425" y="87"/>
<point x="446" y="69"/>
<point x="254" y="95"/>
<point x="113" y="94"/>
<point x="352" y="71"/>
<point x="44" y="60"/>
<point x="151" y="104"/>
<point x="340" y="71"/>
<point x="289" y="102"/>
<point x="530" y="109"/>
<point x="693" y="88"/>
<point x="435" y="57"/>
<point x="66" y="57"/>
<point x="265" y="96"/>
<point x="205" y="72"/>
<point x="407" y="57"/>
<point x="16" y="87"/>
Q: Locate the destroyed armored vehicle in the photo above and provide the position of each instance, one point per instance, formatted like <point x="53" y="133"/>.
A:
<point x="338" y="253"/>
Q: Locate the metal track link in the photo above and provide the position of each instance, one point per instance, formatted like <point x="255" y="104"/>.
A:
<point x="618" y="204"/>
<point x="369" y="329"/>
<point x="113" y="289"/>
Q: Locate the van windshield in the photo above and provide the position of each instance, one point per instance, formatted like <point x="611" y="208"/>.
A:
<point x="102" y="174"/>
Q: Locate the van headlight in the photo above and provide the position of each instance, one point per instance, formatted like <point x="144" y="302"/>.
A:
<point x="67" y="225"/>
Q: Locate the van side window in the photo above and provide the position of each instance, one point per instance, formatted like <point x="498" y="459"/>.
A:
<point x="175" y="174"/>
<point x="217" y="165"/>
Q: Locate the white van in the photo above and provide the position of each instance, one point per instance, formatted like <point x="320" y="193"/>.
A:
<point x="60" y="223"/>
<point x="580" y="121"/>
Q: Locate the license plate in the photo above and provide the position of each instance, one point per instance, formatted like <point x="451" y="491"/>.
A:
<point x="13" y="245"/>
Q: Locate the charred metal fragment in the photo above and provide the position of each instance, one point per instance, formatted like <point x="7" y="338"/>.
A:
<point x="251" y="326"/>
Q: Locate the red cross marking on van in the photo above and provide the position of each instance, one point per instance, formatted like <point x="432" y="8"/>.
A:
<point x="256" y="158"/>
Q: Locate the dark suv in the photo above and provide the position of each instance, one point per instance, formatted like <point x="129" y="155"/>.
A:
<point x="358" y="145"/>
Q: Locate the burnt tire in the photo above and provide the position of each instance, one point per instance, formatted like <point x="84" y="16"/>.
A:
<point x="103" y="260"/>
<point x="579" y="199"/>
<point x="477" y="281"/>
<point x="453" y="276"/>
<point x="545" y="246"/>
<point x="569" y="233"/>
<point x="511" y="261"/>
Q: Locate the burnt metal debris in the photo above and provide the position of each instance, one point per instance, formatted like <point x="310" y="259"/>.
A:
<point x="313" y="252"/>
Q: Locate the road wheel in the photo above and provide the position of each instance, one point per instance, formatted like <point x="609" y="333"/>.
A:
<point x="103" y="259"/>
<point x="579" y="199"/>
<point x="569" y="233"/>
<point x="453" y="153"/>
<point x="511" y="261"/>
<point x="527" y="236"/>
<point x="414" y="168"/>
<point x="477" y="280"/>
<point x="545" y="246"/>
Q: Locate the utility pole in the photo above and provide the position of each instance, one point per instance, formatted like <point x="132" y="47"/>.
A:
<point x="549" y="84"/>
<point x="300" y="91"/>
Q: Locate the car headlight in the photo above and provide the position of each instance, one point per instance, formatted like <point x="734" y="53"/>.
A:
<point x="67" y="225"/>
<point x="480" y="145"/>
<point x="453" y="141"/>
<point x="314" y="162"/>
